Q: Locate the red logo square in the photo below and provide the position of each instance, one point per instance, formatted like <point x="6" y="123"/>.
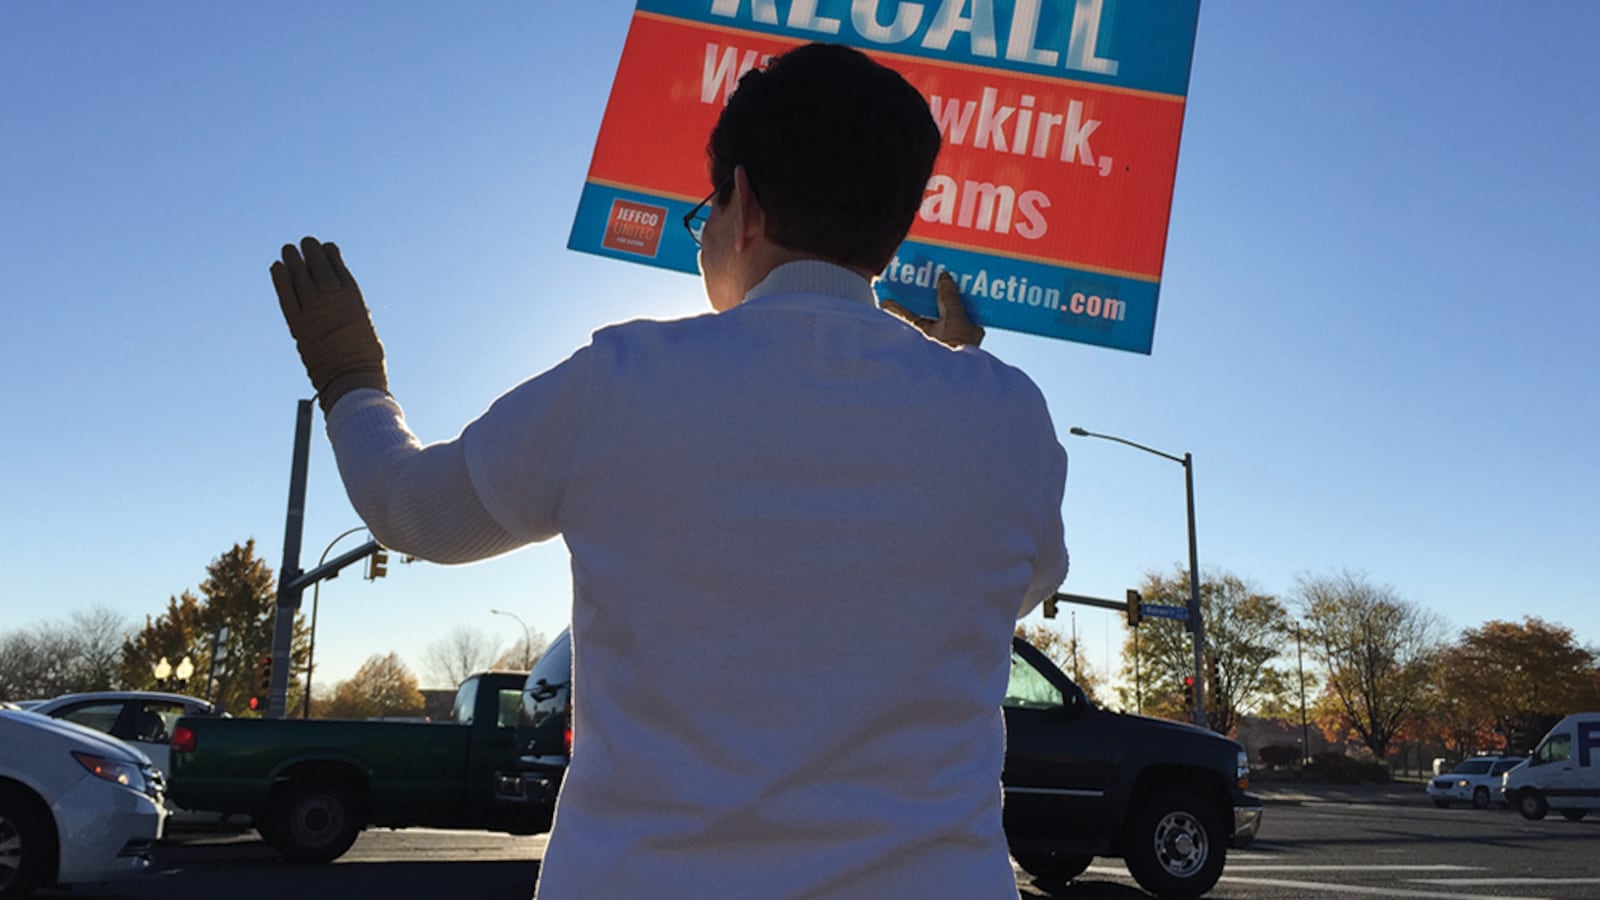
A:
<point x="634" y="227"/>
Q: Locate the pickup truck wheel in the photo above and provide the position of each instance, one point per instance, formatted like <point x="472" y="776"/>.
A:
<point x="1574" y="815"/>
<point x="26" y="844"/>
<point x="1480" y="798"/>
<point x="1176" y="846"/>
<point x="1052" y="870"/>
<point x="1531" y="804"/>
<point x="312" y="823"/>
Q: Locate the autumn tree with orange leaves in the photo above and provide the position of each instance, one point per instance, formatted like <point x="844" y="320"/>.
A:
<point x="1505" y="683"/>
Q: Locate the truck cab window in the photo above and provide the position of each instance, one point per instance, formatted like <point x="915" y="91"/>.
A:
<point x="510" y="703"/>
<point x="466" y="701"/>
<point x="1029" y="689"/>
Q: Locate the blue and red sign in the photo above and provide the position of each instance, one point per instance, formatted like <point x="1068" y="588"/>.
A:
<point x="1051" y="196"/>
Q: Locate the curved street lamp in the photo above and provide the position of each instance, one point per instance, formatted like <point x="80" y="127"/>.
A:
<point x="527" y="637"/>
<point x="1196" y="625"/>
<point x="316" y="595"/>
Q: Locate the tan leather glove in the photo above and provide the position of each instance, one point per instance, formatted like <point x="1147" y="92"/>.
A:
<point x="952" y="328"/>
<point x="329" y="321"/>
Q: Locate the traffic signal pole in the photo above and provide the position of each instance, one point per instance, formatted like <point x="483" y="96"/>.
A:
<point x="292" y="582"/>
<point x="288" y="591"/>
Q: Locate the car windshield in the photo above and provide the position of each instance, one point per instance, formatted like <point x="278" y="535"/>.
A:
<point x="1473" y="767"/>
<point x="1504" y="765"/>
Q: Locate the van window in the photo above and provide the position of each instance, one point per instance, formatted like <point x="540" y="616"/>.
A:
<point x="1555" y="748"/>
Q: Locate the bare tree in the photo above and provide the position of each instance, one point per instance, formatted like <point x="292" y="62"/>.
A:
<point x="1376" y="648"/>
<point x="97" y="637"/>
<point x="524" y="653"/>
<point x="35" y="663"/>
<point x="462" y="651"/>
<point x="55" y="658"/>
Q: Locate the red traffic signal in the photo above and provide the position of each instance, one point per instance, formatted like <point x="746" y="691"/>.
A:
<point x="258" y="704"/>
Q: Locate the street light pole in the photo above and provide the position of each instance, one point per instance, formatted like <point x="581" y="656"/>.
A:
<point x="527" y="637"/>
<point x="1305" y="729"/>
<point x="316" y="596"/>
<point x="1196" y="623"/>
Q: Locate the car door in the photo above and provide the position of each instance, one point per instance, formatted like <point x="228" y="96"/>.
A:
<point x="1056" y="774"/>
<point x="1552" y="768"/>
<point x="152" y="724"/>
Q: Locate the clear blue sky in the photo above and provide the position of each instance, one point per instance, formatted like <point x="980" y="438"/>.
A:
<point x="1378" y="333"/>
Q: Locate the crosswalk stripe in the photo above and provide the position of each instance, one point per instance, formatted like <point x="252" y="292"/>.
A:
<point x="1386" y="891"/>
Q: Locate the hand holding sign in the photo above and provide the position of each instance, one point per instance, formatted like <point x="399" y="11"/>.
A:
<point x="322" y="305"/>
<point x="952" y="328"/>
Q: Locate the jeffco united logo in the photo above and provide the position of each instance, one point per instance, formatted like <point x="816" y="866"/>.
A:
<point x="634" y="228"/>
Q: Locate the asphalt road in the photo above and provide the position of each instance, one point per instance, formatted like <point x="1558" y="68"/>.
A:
<point x="1335" y="843"/>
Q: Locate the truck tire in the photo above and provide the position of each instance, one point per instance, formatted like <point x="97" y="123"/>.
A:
<point x="1480" y="798"/>
<point x="1052" y="870"/>
<point x="1574" y="815"/>
<point x="27" y="844"/>
<point x="1175" y="846"/>
<point x="1531" y="804"/>
<point x="312" y="823"/>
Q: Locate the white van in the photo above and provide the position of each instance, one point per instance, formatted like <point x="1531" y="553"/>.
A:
<point x="1563" y="773"/>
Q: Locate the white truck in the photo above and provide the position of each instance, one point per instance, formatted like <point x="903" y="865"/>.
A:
<point x="1563" y="774"/>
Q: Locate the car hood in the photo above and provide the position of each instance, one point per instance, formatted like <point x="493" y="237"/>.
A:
<point x="1169" y="725"/>
<point x="14" y="722"/>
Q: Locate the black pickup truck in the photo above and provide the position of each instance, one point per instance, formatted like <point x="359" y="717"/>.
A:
<point x="1169" y="798"/>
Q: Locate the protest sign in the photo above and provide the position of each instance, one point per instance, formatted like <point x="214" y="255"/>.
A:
<point x="1051" y="196"/>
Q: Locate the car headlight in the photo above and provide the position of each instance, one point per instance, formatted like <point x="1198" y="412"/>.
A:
<point x="1462" y="782"/>
<point x="126" y="774"/>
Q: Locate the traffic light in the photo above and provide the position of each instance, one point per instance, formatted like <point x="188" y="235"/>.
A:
<point x="1188" y="692"/>
<point x="377" y="564"/>
<point x="1212" y="681"/>
<point x="1050" y="607"/>
<point x="258" y="700"/>
<point x="1133" y="608"/>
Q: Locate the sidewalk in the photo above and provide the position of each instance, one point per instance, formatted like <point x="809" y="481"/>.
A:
<point x="1395" y="793"/>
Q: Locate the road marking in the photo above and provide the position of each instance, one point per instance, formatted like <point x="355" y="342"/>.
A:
<point x="1357" y="889"/>
<point x="1419" y="867"/>
<point x="1501" y="882"/>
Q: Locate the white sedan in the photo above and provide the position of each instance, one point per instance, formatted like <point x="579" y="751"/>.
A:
<point x="75" y="805"/>
<point x="146" y="720"/>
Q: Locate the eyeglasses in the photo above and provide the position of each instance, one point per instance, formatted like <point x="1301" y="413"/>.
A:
<point x="695" y="219"/>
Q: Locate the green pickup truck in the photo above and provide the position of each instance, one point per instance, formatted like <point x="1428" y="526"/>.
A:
<point x="311" y="785"/>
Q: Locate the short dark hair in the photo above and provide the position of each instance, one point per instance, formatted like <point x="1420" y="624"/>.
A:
<point x="838" y="150"/>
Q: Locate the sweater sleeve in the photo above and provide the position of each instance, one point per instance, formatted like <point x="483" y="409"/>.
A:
<point x="495" y="487"/>
<point x="415" y="499"/>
